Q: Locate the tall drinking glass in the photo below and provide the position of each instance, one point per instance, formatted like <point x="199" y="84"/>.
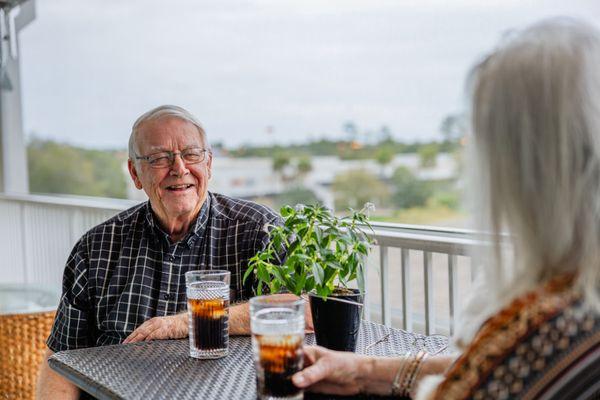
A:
<point x="277" y="325"/>
<point x="208" y="312"/>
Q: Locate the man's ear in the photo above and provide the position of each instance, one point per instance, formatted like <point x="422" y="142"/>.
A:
<point x="134" y="174"/>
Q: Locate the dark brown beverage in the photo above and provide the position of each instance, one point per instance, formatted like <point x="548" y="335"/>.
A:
<point x="280" y="357"/>
<point x="210" y="323"/>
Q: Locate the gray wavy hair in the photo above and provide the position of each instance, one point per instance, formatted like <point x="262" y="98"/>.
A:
<point x="535" y="149"/>
<point x="165" y="111"/>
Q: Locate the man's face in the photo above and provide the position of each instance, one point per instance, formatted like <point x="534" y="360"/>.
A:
<point x="177" y="192"/>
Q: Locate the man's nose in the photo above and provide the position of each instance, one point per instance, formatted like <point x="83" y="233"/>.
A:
<point x="178" y="168"/>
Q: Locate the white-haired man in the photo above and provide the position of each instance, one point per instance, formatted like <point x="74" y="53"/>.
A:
<point x="124" y="280"/>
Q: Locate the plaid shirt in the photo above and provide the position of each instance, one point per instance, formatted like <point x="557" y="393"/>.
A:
<point x="126" y="270"/>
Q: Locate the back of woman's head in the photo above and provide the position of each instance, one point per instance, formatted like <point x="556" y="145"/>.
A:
<point x="536" y="142"/>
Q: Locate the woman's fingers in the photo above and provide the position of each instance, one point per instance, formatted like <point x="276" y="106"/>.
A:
<point x="312" y="374"/>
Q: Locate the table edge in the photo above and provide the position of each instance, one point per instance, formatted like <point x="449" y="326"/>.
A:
<point x="82" y="381"/>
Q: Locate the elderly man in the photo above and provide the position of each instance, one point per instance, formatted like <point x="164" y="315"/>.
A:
<point x="124" y="280"/>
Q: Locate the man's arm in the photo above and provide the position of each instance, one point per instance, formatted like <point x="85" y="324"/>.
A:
<point x="176" y="326"/>
<point x="50" y="385"/>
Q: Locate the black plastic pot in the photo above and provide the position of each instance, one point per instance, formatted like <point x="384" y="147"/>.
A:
<point x="336" y="323"/>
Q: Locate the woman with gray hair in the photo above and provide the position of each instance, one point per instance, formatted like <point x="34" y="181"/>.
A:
<point x="532" y="326"/>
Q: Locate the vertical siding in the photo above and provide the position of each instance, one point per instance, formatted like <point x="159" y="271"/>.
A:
<point x="36" y="238"/>
<point x="12" y="264"/>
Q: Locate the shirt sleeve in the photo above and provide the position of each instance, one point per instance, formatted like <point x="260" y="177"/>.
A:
<point x="71" y="329"/>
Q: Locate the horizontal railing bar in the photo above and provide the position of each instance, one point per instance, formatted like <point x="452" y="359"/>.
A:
<point x="100" y="203"/>
<point x="431" y="229"/>
<point x="414" y="241"/>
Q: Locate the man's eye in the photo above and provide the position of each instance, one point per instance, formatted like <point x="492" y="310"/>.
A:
<point x="195" y="156"/>
<point x="159" y="160"/>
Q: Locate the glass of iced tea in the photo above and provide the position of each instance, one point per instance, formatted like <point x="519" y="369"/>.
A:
<point x="277" y="325"/>
<point x="208" y="312"/>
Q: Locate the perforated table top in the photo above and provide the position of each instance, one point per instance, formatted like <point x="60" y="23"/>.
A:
<point x="162" y="369"/>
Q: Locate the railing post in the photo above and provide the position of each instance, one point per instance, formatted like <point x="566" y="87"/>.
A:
<point x="386" y="315"/>
<point x="406" y="292"/>
<point x="452" y="290"/>
<point x="428" y="286"/>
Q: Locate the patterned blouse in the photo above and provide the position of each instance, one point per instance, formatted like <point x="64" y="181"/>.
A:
<point x="531" y="349"/>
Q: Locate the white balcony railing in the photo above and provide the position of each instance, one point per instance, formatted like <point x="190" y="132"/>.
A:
<point x="416" y="279"/>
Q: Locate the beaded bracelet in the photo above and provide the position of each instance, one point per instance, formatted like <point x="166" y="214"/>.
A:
<point x="409" y="373"/>
<point x="399" y="374"/>
<point x="406" y="376"/>
<point x="415" y="372"/>
<point x="411" y="386"/>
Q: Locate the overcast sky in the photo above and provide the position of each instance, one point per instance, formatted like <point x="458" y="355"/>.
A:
<point x="90" y="68"/>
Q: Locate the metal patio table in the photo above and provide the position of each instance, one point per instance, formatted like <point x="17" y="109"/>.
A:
<point x="162" y="369"/>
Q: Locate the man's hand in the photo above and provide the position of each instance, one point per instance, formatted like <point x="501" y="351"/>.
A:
<point x="171" y="327"/>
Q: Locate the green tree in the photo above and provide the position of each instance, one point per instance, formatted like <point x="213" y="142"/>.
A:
<point x="60" y="168"/>
<point x="454" y="127"/>
<point x="385" y="134"/>
<point x="357" y="187"/>
<point x="304" y="165"/>
<point x="408" y="190"/>
<point x="428" y="155"/>
<point x="383" y="156"/>
<point x="296" y="195"/>
<point x="280" y="161"/>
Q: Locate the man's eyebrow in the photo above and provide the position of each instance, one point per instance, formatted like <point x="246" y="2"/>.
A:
<point x="157" y="149"/>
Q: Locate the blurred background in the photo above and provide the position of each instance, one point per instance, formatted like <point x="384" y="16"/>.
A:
<point x="338" y="102"/>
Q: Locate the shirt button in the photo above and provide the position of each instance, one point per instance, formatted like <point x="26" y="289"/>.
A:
<point x="170" y="258"/>
<point x="167" y="296"/>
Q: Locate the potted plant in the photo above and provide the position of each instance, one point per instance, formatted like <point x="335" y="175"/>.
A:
<point x="324" y="256"/>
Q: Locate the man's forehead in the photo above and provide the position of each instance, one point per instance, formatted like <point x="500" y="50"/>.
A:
<point x="164" y="133"/>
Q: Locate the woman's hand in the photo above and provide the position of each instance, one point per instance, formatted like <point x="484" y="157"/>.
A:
<point x="333" y="372"/>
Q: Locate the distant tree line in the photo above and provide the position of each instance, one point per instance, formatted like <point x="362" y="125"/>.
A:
<point x="403" y="190"/>
<point x="62" y="168"/>
<point x="366" y="144"/>
<point x="345" y="150"/>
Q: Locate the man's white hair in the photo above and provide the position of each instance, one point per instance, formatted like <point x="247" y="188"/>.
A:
<point x="164" y="111"/>
<point x="536" y="170"/>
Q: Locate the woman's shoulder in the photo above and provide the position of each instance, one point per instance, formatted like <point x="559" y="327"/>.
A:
<point x="522" y="350"/>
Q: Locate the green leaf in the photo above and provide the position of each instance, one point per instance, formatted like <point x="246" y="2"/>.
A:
<point x="333" y="265"/>
<point x="263" y="274"/>
<point x="249" y="270"/>
<point x="300" y="284"/>
<point x="310" y="284"/>
<point x="318" y="273"/>
<point x="286" y="211"/>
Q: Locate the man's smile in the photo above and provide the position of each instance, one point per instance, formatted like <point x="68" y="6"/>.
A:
<point x="180" y="187"/>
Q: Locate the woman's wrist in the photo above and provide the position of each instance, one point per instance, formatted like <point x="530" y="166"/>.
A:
<point x="365" y="373"/>
<point x="375" y="374"/>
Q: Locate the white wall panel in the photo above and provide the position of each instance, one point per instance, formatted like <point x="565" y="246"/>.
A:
<point x="12" y="264"/>
<point x="48" y="242"/>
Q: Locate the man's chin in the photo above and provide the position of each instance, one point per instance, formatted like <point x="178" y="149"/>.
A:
<point x="190" y="208"/>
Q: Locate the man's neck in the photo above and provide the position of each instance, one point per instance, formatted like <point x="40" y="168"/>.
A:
<point x="178" y="227"/>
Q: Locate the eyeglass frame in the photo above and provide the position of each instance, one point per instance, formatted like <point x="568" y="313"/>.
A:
<point x="171" y="157"/>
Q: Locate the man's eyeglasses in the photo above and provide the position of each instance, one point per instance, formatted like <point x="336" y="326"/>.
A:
<point x="166" y="158"/>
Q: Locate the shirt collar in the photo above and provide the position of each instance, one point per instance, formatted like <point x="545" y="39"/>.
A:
<point x="198" y="227"/>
